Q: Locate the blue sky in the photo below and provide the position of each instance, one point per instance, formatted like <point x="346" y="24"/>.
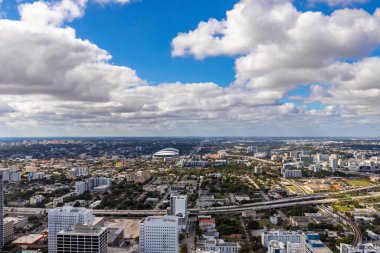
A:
<point x="142" y="36"/>
<point x="139" y="35"/>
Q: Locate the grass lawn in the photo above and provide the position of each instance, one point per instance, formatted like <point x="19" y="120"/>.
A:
<point x="292" y="188"/>
<point x="220" y="196"/>
<point x="343" y="208"/>
<point x="360" y="183"/>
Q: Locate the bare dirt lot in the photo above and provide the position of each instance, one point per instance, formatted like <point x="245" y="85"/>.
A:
<point x="131" y="226"/>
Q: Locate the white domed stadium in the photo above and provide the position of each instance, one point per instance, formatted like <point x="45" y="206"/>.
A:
<point x="167" y="152"/>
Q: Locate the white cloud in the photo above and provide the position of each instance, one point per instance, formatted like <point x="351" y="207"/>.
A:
<point x="113" y="1"/>
<point x="52" y="13"/>
<point x="51" y="77"/>
<point x="56" y="13"/>
<point x="55" y="83"/>
<point x="335" y="3"/>
<point x="279" y="48"/>
<point x="43" y="59"/>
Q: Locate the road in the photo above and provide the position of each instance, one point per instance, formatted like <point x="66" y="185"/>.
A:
<point x="253" y="158"/>
<point x="299" y="200"/>
<point x="166" y="195"/>
<point x="366" y="188"/>
<point x="273" y="204"/>
<point x="362" y="174"/>
<point x="189" y="240"/>
<point x="200" y="192"/>
<point x="252" y="182"/>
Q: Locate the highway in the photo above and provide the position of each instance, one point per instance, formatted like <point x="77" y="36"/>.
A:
<point x="366" y="188"/>
<point x="214" y="210"/>
<point x="253" y="158"/>
<point x="259" y="208"/>
<point x="273" y="204"/>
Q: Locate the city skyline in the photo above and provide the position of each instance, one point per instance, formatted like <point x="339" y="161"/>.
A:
<point x="188" y="68"/>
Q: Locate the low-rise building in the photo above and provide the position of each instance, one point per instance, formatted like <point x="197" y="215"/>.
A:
<point x="206" y="223"/>
<point x="282" y="236"/>
<point x="221" y="246"/>
<point x="360" y="248"/>
<point x="36" y="199"/>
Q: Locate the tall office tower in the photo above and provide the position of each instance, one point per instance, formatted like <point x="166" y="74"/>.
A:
<point x="62" y="217"/>
<point x="1" y="211"/>
<point x="178" y="207"/>
<point x="82" y="239"/>
<point x="333" y="163"/>
<point x="159" y="235"/>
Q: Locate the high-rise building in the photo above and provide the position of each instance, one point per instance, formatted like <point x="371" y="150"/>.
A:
<point x="80" y="187"/>
<point x="333" y="163"/>
<point x="93" y="184"/>
<point x="8" y="230"/>
<point x="159" y="235"/>
<point x="62" y="217"/>
<point x="11" y="175"/>
<point x="1" y="211"/>
<point x="82" y="239"/>
<point x="292" y="174"/>
<point x="178" y="207"/>
<point x="78" y="171"/>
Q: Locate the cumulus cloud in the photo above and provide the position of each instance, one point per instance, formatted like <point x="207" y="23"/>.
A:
<point x="43" y="58"/>
<point x="334" y="3"/>
<point x="279" y="48"/>
<point x="50" y="77"/>
<point x="52" y="13"/>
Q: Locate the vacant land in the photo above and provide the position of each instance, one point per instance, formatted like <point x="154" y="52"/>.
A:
<point x="131" y="226"/>
<point x="360" y="183"/>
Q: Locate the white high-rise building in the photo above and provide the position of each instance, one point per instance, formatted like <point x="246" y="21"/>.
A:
<point x="98" y="181"/>
<point x="178" y="207"/>
<point x="62" y="217"/>
<point x="78" y="171"/>
<point x="333" y="163"/>
<point x="80" y="187"/>
<point x="11" y="175"/>
<point x="159" y="235"/>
